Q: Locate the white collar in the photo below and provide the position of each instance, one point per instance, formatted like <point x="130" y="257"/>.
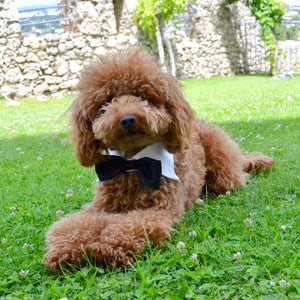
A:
<point x="155" y="151"/>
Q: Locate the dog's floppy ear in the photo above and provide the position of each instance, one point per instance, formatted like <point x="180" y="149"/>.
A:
<point x="87" y="148"/>
<point x="182" y="115"/>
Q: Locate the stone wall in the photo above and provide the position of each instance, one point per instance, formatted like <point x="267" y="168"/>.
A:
<point x="217" y="46"/>
<point x="9" y="41"/>
<point x="46" y="64"/>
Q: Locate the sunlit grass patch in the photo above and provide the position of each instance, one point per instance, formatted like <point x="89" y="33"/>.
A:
<point x="242" y="245"/>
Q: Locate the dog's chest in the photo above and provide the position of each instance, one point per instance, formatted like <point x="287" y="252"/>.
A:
<point x="126" y="193"/>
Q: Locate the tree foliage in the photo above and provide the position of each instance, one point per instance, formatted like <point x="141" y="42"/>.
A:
<point x="147" y="12"/>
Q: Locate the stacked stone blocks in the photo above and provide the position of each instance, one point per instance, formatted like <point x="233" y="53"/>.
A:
<point x="33" y="65"/>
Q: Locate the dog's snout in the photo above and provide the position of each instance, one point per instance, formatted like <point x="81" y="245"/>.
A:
<point x="128" y="122"/>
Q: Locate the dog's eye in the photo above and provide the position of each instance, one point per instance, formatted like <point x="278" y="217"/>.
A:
<point x="155" y="104"/>
<point x="101" y="111"/>
<point x="150" y="102"/>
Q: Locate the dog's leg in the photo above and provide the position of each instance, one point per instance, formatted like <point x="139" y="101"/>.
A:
<point x="109" y="239"/>
<point x="226" y="165"/>
<point x="121" y="241"/>
<point x="68" y="237"/>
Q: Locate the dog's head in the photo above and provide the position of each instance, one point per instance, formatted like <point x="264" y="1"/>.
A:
<point x="127" y="103"/>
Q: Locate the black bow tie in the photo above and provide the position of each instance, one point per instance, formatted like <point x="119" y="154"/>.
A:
<point x="147" y="169"/>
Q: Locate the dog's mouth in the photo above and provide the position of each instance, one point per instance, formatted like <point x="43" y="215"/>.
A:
<point x="131" y="135"/>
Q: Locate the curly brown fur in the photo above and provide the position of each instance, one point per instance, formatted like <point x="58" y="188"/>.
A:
<point x="124" y="214"/>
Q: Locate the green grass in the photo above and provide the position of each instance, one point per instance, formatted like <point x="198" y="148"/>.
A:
<point x="38" y="170"/>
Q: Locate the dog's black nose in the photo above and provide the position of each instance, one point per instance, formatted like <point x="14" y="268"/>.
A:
<point x="128" y="122"/>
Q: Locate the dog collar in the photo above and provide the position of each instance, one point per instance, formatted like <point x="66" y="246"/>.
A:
<point x="157" y="152"/>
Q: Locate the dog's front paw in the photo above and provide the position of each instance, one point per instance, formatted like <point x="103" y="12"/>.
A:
<point x="57" y="257"/>
<point x="105" y="255"/>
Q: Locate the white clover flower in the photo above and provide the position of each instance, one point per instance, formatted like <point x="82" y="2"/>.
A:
<point x="272" y="149"/>
<point x="259" y="137"/>
<point x="283" y="227"/>
<point x="13" y="132"/>
<point x="283" y="284"/>
<point x="27" y="246"/>
<point x="253" y="214"/>
<point x="13" y="214"/>
<point x="1" y="152"/>
<point x="22" y="152"/>
<point x="59" y="213"/>
<point x="180" y="246"/>
<point x="272" y="283"/>
<point x="248" y="222"/>
<point x="194" y="256"/>
<point x="3" y="241"/>
<point x="199" y="201"/>
<point x="63" y="141"/>
<point x="39" y="159"/>
<point x="44" y="138"/>
<point x="64" y="298"/>
<point x="277" y="127"/>
<point x="12" y="208"/>
<point x="69" y="193"/>
<point x="237" y="256"/>
<point x="227" y="193"/>
<point x="23" y="272"/>
<point x="18" y="149"/>
<point x="243" y="139"/>
<point x="193" y="233"/>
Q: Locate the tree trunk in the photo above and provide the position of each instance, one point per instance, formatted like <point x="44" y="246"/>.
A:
<point x="160" y="47"/>
<point x="169" y="47"/>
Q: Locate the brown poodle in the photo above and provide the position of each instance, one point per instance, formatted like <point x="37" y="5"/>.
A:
<point x="128" y="109"/>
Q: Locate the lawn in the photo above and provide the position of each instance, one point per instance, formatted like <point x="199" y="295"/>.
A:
<point x="242" y="245"/>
